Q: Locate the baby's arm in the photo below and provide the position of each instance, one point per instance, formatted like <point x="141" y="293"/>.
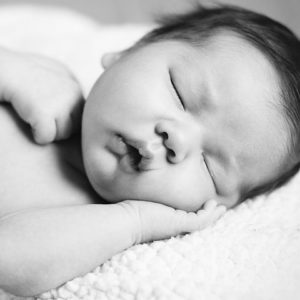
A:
<point x="43" y="92"/>
<point x="43" y="248"/>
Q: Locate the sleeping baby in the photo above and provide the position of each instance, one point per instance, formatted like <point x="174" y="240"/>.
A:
<point x="198" y="115"/>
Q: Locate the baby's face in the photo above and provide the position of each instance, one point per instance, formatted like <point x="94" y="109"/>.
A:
<point x="180" y="125"/>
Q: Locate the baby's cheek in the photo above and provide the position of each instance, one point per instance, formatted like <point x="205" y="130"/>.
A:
<point x="91" y="166"/>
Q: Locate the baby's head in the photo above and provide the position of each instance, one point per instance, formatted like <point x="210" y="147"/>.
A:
<point x="204" y="107"/>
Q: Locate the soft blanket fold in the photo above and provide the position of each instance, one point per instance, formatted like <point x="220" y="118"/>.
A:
<point x="251" y="253"/>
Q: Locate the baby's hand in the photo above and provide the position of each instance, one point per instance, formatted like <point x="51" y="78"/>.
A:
<point x="44" y="94"/>
<point x="157" y="221"/>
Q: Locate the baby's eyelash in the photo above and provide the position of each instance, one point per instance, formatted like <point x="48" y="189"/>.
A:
<point x="176" y="91"/>
<point x="209" y="171"/>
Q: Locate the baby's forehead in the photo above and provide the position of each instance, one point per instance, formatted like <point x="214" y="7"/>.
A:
<point x="228" y="44"/>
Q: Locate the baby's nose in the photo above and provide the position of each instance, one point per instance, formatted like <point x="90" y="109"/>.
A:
<point x="175" y="139"/>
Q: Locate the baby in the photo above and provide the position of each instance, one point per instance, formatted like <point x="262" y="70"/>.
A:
<point x="204" y="107"/>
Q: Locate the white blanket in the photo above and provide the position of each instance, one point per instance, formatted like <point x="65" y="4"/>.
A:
<point x="253" y="252"/>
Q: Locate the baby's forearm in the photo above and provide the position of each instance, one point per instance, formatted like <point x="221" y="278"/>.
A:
<point x="43" y="248"/>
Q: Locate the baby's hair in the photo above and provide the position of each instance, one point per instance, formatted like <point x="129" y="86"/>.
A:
<point x="279" y="45"/>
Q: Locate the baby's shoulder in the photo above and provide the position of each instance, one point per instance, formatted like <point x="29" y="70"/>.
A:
<point x="32" y="175"/>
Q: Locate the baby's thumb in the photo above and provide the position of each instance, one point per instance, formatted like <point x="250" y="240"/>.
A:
<point x="44" y="130"/>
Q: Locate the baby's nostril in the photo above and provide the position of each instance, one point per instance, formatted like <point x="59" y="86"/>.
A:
<point x="171" y="154"/>
<point x="164" y="135"/>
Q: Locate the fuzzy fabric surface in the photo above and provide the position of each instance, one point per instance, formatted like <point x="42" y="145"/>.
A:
<point x="253" y="252"/>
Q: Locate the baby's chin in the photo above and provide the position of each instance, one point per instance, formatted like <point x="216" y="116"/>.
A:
<point x="104" y="187"/>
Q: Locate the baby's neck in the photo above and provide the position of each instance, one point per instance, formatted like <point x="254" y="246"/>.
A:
<point x="72" y="153"/>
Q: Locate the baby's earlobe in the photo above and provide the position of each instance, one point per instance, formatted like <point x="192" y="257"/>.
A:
<point x="108" y="59"/>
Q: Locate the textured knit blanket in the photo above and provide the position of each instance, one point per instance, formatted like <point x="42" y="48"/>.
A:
<point x="253" y="252"/>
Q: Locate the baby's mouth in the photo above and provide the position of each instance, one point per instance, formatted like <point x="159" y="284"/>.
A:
<point x="140" y="154"/>
<point x="134" y="155"/>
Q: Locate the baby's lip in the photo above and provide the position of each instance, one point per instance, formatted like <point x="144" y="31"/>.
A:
<point x="135" y="154"/>
<point x="117" y="145"/>
<point x="145" y="153"/>
<point x="145" y="148"/>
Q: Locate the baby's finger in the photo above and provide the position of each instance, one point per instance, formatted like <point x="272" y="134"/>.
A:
<point x="63" y="128"/>
<point x="44" y="130"/>
<point x="219" y="212"/>
<point x="210" y="205"/>
<point x="212" y="214"/>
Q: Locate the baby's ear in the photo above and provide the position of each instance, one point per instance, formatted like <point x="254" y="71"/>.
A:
<point x="108" y="59"/>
